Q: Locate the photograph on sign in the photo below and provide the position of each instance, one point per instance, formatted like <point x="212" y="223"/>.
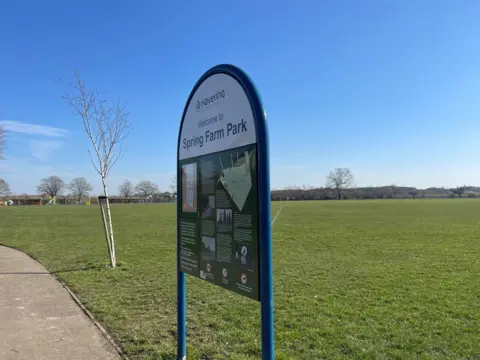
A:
<point x="208" y="248"/>
<point x="189" y="187"/>
<point x="208" y="206"/>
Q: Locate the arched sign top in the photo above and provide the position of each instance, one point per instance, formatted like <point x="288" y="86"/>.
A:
<point x="223" y="111"/>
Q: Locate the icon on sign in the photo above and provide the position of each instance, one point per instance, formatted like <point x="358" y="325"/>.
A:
<point x="243" y="255"/>
<point x="224" y="272"/>
<point x="243" y="278"/>
<point x="209" y="268"/>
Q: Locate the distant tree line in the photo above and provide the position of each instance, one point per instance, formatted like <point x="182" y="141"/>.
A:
<point x="340" y="185"/>
<point x="80" y="188"/>
<point x="145" y="189"/>
<point x="379" y="192"/>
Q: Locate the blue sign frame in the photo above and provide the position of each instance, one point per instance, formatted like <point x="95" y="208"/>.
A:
<point x="264" y="214"/>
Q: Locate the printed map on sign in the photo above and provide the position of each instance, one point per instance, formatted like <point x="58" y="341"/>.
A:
<point x="237" y="181"/>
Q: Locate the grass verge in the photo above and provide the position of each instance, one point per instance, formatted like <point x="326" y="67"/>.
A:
<point x="353" y="279"/>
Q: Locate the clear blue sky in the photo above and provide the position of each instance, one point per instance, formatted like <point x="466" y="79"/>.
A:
<point x="390" y="89"/>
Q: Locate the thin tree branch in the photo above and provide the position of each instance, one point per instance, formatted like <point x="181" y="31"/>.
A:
<point x="107" y="128"/>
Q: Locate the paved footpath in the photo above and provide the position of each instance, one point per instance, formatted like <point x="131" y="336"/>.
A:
<point x="38" y="318"/>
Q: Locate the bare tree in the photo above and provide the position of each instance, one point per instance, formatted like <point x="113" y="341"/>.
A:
<point x="126" y="190"/>
<point x="413" y="193"/>
<point x="173" y="184"/>
<point x="146" y="188"/>
<point x="80" y="187"/>
<point x="52" y="186"/>
<point x="4" y="187"/>
<point x="307" y="187"/>
<point x="2" y="141"/>
<point x="460" y="190"/>
<point x="446" y="192"/>
<point x="339" y="179"/>
<point x="107" y="126"/>
<point x="393" y="190"/>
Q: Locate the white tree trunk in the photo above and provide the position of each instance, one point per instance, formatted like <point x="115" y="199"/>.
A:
<point x="113" y="260"/>
<point x="105" y="227"/>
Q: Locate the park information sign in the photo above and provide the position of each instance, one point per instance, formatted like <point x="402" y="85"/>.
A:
<point x="217" y="158"/>
<point x="223" y="187"/>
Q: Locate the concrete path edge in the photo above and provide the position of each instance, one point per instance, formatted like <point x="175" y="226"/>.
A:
<point x="77" y="301"/>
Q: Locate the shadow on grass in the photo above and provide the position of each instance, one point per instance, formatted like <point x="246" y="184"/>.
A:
<point x="89" y="265"/>
<point x="83" y="268"/>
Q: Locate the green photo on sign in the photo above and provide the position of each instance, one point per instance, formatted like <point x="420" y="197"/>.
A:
<point x="217" y="186"/>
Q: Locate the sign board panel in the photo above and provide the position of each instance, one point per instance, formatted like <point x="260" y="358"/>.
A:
<point x="218" y="187"/>
<point x="223" y="203"/>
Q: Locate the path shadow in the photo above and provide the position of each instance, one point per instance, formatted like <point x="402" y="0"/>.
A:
<point x="83" y="268"/>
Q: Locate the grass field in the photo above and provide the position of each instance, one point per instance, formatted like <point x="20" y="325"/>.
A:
<point x="353" y="280"/>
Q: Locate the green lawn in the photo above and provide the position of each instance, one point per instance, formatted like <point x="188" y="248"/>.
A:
<point x="353" y="280"/>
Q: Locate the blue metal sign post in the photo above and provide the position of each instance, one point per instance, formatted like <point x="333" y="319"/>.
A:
<point x="223" y="195"/>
